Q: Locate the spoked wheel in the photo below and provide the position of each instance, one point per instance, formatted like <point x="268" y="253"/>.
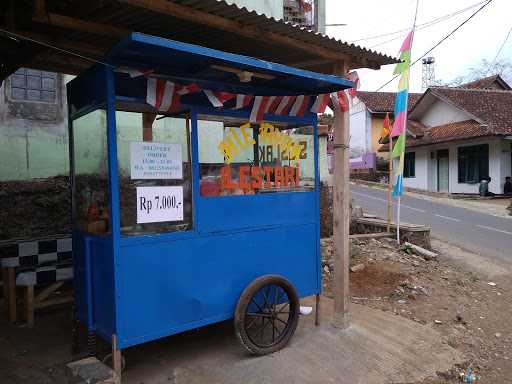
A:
<point x="267" y="314"/>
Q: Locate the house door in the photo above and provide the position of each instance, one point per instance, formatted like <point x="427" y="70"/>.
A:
<point x="443" y="172"/>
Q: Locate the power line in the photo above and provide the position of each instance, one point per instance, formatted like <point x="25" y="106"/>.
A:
<point x="422" y="25"/>
<point x="439" y="42"/>
<point x="16" y="37"/>
<point x="501" y="47"/>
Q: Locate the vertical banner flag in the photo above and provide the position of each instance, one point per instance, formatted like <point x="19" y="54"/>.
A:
<point x="400" y="123"/>
<point x="386" y="129"/>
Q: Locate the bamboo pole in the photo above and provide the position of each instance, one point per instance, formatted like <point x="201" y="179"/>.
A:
<point x="390" y="185"/>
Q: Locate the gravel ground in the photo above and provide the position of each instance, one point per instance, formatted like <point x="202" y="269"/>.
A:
<point x="471" y="311"/>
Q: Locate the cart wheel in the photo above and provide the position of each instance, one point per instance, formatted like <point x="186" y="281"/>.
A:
<point x="267" y="314"/>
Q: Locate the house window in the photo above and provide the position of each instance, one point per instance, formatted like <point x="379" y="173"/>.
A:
<point x="410" y="164"/>
<point x="33" y="85"/>
<point x="473" y="163"/>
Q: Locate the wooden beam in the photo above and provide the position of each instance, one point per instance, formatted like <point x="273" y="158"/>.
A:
<point x="63" y="21"/>
<point x="341" y="211"/>
<point x="219" y="22"/>
<point x="29" y="305"/>
<point x="64" y="43"/>
<point x="9" y="281"/>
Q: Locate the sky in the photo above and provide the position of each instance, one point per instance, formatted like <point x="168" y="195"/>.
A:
<point x="478" y="39"/>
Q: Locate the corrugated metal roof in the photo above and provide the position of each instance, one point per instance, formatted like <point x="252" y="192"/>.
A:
<point x="245" y="16"/>
<point x="189" y="28"/>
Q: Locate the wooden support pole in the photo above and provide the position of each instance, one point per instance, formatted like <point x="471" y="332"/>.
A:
<point x="116" y="358"/>
<point x="9" y="280"/>
<point x="341" y="208"/>
<point x="29" y="305"/>
<point x="147" y="126"/>
<point x="317" y="310"/>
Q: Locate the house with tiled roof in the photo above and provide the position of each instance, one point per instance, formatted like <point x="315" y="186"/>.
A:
<point x="366" y="117"/>
<point x="458" y="136"/>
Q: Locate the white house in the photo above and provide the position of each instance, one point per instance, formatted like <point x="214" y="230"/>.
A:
<point x="459" y="136"/>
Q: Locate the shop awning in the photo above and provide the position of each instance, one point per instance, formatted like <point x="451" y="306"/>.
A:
<point x="218" y="70"/>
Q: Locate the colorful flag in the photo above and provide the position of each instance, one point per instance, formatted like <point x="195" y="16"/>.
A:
<point x="386" y="128"/>
<point x="161" y="94"/>
<point x="340" y="100"/>
<point x="258" y="108"/>
<point x="401" y="101"/>
<point x="354" y="77"/>
<point x="284" y="105"/>
<point x="218" y="98"/>
<point x="321" y="103"/>
<point x="242" y="101"/>
<point x="300" y="106"/>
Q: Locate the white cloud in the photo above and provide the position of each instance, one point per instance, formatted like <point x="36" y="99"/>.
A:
<point x="478" y="39"/>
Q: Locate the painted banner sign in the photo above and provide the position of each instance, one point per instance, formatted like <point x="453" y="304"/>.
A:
<point x="155" y="161"/>
<point x="159" y="204"/>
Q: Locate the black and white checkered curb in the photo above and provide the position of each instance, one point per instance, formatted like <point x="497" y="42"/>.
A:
<point x="40" y="261"/>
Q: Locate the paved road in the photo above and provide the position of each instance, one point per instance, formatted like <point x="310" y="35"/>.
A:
<point x="486" y="234"/>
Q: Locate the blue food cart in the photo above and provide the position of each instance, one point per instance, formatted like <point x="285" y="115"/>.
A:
<point x="195" y="180"/>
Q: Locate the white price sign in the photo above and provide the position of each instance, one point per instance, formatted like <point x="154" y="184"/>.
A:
<point x="150" y="160"/>
<point x="159" y="204"/>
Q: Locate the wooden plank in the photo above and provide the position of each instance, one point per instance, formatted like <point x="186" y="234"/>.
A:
<point x="52" y="302"/>
<point x="371" y="235"/>
<point x="341" y="212"/>
<point x="219" y="22"/>
<point x="9" y="279"/>
<point x="45" y="293"/>
<point x="29" y="305"/>
<point x="63" y="21"/>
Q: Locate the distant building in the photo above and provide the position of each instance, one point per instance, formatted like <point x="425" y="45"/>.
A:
<point x="458" y="136"/>
<point x="366" y="119"/>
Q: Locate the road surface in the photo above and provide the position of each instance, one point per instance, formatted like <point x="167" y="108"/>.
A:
<point x="487" y="235"/>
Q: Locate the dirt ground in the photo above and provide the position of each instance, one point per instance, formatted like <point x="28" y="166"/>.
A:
<point x="468" y="300"/>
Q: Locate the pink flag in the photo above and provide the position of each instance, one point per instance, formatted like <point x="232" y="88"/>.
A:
<point x="320" y="103"/>
<point x="406" y="45"/>
<point x="398" y="124"/>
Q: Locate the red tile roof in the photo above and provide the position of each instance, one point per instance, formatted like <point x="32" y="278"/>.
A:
<point x="379" y="102"/>
<point x="460" y="130"/>
<point x="490" y="82"/>
<point x="492" y="107"/>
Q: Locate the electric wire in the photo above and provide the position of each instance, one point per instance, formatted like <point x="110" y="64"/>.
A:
<point x="501" y="48"/>
<point x="439" y="42"/>
<point x="422" y="25"/>
<point x="16" y="36"/>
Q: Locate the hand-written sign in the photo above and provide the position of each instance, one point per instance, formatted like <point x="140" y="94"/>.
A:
<point x="234" y="143"/>
<point x="155" y="161"/>
<point x="159" y="204"/>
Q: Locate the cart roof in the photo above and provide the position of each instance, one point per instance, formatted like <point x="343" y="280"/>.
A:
<point x="219" y="70"/>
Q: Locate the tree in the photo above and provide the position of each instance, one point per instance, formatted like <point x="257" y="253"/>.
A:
<point x="484" y="69"/>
